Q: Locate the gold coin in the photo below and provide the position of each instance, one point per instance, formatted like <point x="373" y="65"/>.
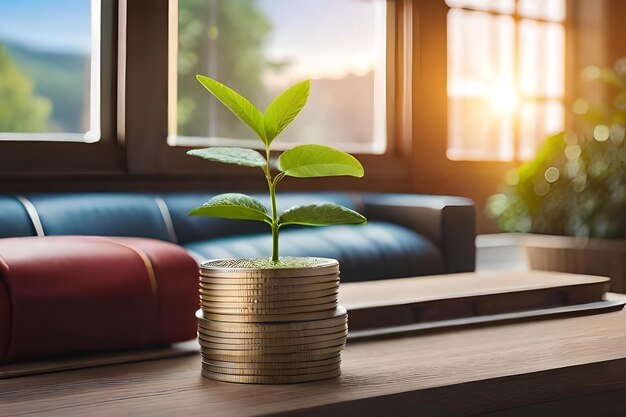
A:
<point x="272" y="365"/>
<point x="268" y="349"/>
<point x="239" y="267"/>
<point x="265" y="318"/>
<point x="270" y="356"/>
<point x="261" y="310"/>
<point x="285" y="379"/>
<point x="287" y="347"/>
<point x="271" y="303"/>
<point x="338" y="317"/>
<point x="287" y="358"/>
<point x="285" y="341"/>
<point x="219" y="297"/>
<point x="269" y="372"/>
<point x="269" y="282"/>
<point x="270" y="328"/>
<point x="272" y="335"/>
<point x="264" y="289"/>
<point x="265" y="307"/>
<point x="254" y="310"/>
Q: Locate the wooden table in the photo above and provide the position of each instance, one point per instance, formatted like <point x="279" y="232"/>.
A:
<point x="568" y="366"/>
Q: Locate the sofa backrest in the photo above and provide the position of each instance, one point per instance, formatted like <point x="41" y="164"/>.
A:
<point x="14" y="220"/>
<point x="197" y="228"/>
<point x="157" y="216"/>
<point x="105" y="214"/>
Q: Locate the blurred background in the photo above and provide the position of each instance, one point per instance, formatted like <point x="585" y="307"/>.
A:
<point x="518" y="104"/>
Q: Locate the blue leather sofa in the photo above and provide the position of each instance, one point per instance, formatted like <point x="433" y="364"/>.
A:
<point x="407" y="235"/>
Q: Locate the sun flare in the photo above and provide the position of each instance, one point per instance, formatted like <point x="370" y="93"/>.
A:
<point x="503" y="97"/>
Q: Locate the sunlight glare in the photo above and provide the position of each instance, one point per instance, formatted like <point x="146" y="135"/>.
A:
<point x="503" y="97"/>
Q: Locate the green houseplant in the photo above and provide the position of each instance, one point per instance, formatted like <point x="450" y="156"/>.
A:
<point x="273" y="320"/>
<point x="575" y="188"/>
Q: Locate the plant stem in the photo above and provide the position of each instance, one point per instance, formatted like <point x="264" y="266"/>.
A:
<point x="272" y="188"/>
<point x="274" y="243"/>
<point x="275" y="227"/>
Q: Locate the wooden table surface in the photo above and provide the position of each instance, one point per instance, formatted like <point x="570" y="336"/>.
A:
<point x="533" y="369"/>
<point x="461" y="373"/>
<point x="464" y="285"/>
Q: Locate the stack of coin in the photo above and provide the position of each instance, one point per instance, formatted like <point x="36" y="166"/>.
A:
<point x="270" y="326"/>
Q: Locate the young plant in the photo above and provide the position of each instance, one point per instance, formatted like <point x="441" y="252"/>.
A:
<point x="303" y="161"/>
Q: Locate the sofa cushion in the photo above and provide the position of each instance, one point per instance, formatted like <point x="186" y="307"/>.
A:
<point x="198" y="228"/>
<point x="14" y="220"/>
<point x="100" y="214"/>
<point x="73" y="294"/>
<point x="376" y="250"/>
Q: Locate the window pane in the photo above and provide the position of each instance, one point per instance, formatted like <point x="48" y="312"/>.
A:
<point x="502" y="6"/>
<point x="261" y="47"/>
<point x="481" y="85"/>
<point x="542" y="60"/>
<point x="505" y="91"/>
<point x="474" y="134"/>
<point x="537" y="122"/>
<point x="543" y="9"/>
<point x="480" y="52"/>
<point x="49" y="70"/>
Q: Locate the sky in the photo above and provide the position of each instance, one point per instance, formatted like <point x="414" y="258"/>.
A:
<point x="324" y="38"/>
<point x="50" y="25"/>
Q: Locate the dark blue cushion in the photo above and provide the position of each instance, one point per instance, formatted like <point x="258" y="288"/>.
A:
<point x="14" y="221"/>
<point x="376" y="250"/>
<point x="194" y="228"/>
<point x="105" y="214"/>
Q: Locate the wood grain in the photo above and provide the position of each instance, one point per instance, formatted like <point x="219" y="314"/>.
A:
<point x="453" y="374"/>
<point x="436" y="287"/>
<point x="578" y="255"/>
<point x="413" y="305"/>
<point x="99" y="359"/>
<point x="407" y="301"/>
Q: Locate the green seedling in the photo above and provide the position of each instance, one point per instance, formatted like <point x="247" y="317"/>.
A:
<point x="303" y="161"/>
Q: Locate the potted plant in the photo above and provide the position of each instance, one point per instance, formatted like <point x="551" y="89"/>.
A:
<point x="574" y="190"/>
<point x="273" y="320"/>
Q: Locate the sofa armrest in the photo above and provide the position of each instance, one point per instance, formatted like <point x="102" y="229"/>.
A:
<point x="448" y="222"/>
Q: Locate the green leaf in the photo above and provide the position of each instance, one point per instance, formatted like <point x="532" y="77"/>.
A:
<point x="233" y="206"/>
<point x="306" y="161"/>
<point x="237" y="104"/>
<point x="284" y="109"/>
<point x="238" y="156"/>
<point x="323" y="214"/>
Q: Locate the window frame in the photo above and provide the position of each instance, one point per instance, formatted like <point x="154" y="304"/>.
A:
<point x="134" y="114"/>
<point x="148" y="41"/>
<point x="22" y="158"/>
<point x="436" y="174"/>
<point x="207" y="141"/>
<point x="517" y="20"/>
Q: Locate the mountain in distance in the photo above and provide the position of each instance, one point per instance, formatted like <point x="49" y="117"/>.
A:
<point x="339" y="110"/>
<point x="62" y="78"/>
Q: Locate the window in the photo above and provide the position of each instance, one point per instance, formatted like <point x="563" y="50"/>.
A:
<point x="50" y="70"/>
<point x="506" y="70"/>
<point x="261" y="47"/>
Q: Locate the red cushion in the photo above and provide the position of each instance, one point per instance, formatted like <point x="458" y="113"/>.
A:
<point x="5" y="314"/>
<point x="70" y="294"/>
